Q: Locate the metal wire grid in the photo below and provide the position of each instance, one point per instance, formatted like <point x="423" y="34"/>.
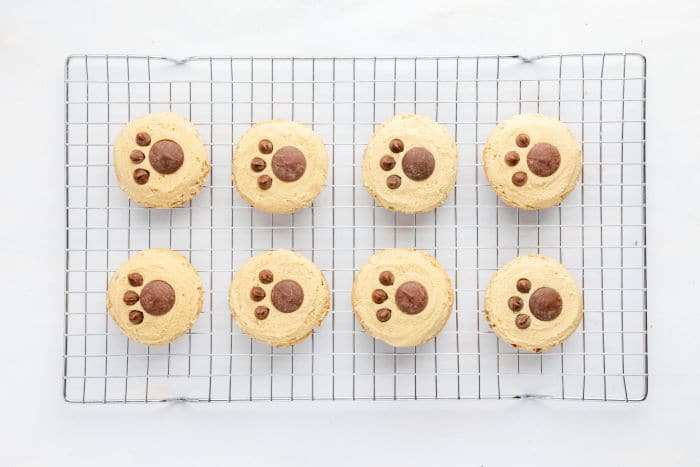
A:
<point x="598" y="232"/>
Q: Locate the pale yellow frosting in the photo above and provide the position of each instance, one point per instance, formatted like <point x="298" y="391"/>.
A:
<point x="412" y="196"/>
<point x="282" y="197"/>
<point x="279" y="329"/>
<point x="402" y="329"/>
<point x="538" y="192"/>
<point x="541" y="271"/>
<point x="157" y="264"/>
<point x="162" y="190"/>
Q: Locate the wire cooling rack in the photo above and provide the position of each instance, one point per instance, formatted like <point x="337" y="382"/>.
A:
<point x="598" y="232"/>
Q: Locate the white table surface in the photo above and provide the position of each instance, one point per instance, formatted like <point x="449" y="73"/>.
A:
<point x="39" y="428"/>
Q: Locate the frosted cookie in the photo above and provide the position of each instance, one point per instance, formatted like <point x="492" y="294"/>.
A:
<point x="533" y="302"/>
<point x="155" y="296"/>
<point x="279" y="166"/>
<point x="160" y="161"/>
<point x="410" y="164"/>
<point x="532" y="161"/>
<point x="278" y="297"/>
<point x="402" y="296"/>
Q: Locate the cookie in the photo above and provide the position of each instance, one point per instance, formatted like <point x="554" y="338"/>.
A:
<point x="410" y="164"/>
<point x="155" y="296"/>
<point x="533" y="303"/>
<point x="160" y="161"/>
<point x="532" y="161"/>
<point x="278" y="297"/>
<point x="279" y="166"/>
<point x="402" y="296"/>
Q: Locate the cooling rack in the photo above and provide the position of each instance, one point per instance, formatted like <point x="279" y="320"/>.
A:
<point x="598" y="233"/>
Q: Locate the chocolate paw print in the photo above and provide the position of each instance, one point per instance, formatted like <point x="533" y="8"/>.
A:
<point x="543" y="159"/>
<point x="545" y="304"/>
<point x="157" y="297"/>
<point x="417" y="163"/>
<point x="165" y="156"/>
<point x="286" y="295"/>
<point x="410" y="297"/>
<point x="288" y="164"/>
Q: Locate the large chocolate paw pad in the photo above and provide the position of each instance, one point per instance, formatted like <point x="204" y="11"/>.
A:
<point x="411" y="297"/>
<point x="288" y="164"/>
<point x="543" y="159"/>
<point x="287" y="296"/>
<point x="166" y="156"/>
<point x="157" y="298"/>
<point x="545" y="304"/>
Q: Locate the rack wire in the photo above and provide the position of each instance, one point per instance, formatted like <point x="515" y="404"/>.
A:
<point x="599" y="232"/>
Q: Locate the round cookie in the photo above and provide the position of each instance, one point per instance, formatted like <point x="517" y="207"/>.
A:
<point x="410" y="164"/>
<point x="278" y="297"/>
<point x="402" y="296"/>
<point x="532" y="161"/>
<point x="155" y="296"/>
<point x="533" y="302"/>
<point x="279" y="166"/>
<point x="160" y="161"/>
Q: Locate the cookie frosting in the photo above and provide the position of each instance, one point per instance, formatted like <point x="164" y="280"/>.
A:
<point x="159" y="160"/>
<point x="533" y="302"/>
<point x="279" y="166"/>
<point x="402" y="296"/>
<point x="532" y="161"/>
<point x="410" y="164"/>
<point x="278" y="297"/>
<point x="155" y="296"/>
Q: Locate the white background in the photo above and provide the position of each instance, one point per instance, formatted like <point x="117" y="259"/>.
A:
<point x="38" y="428"/>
